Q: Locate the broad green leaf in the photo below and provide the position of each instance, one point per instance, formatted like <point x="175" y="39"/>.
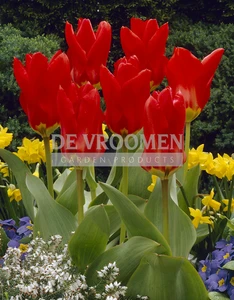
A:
<point x="127" y="257"/>
<point x="217" y="296"/>
<point x="138" y="182"/>
<point x="202" y="232"/>
<point x="190" y="187"/>
<point x="90" y="238"/>
<point x="138" y="201"/>
<point x="182" y="234"/>
<point x="51" y="218"/>
<point x="166" y="277"/>
<point x="135" y="221"/>
<point x="229" y="265"/>
<point x="20" y="170"/>
<point x="60" y="181"/>
<point x="90" y="178"/>
<point x="114" y="218"/>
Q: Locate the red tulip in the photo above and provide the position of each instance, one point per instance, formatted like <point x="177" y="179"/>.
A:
<point x="39" y="81"/>
<point x="125" y="93"/>
<point x="88" y="50"/>
<point x="147" y="41"/>
<point x="164" y="119"/>
<point x="192" y="78"/>
<point x="81" y="119"/>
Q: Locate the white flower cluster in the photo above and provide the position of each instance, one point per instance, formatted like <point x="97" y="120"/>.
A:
<point x="46" y="272"/>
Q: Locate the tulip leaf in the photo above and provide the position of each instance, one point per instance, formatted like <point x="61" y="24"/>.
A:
<point x="160" y="276"/>
<point x="52" y="218"/>
<point x="60" y="181"/>
<point x="217" y="296"/>
<point x="127" y="257"/>
<point x="20" y="170"/>
<point x="114" y="218"/>
<point x="135" y="221"/>
<point x="202" y="232"/>
<point x="190" y="188"/>
<point x="90" y="238"/>
<point x="138" y="182"/>
<point x="229" y="265"/>
<point x="182" y="234"/>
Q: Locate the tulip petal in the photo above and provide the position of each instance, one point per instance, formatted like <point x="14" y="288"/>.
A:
<point x="157" y="43"/>
<point x="210" y="64"/>
<point x="99" y="52"/>
<point x="85" y="35"/>
<point x="132" y="45"/>
<point x="144" y="29"/>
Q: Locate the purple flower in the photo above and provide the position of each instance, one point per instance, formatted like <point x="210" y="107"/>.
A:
<point x="218" y="281"/>
<point x="13" y="244"/>
<point x="207" y="267"/>
<point x="224" y="255"/>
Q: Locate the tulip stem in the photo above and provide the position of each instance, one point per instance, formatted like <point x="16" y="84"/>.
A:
<point x="187" y="145"/>
<point x="93" y="190"/>
<point x="165" y="208"/>
<point x="49" y="173"/>
<point x="124" y="189"/>
<point x="80" y="194"/>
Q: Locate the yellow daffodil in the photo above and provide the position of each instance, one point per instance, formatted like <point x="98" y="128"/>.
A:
<point x="32" y="151"/>
<point x="210" y="202"/>
<point x="14" y="193"/>
<point x="36" y="172"/>
<point x="226" y="201"/>
<point x="4" y="169"/>
<point x="198" y="217"/>
<point x="223" y="166"/>
<point x="152" y="185"/>
<point x="197" y="156"/>
<point x="5" y="138"/>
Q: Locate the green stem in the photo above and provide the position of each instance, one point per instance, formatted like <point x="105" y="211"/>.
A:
<point x="183" y="192"/>
<point x="92" y="190"/>
<point x="48" y="166"/>
<point x="124" y="189"/>
<point x="230" y="198"/>
<point x="80" y="194"/>
<point x="165" y="208"/>
<point x="217" y="187"/>
<point x="187" y="145"/>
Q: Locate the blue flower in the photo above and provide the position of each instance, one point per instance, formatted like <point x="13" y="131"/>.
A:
<point x="218" y="281"/>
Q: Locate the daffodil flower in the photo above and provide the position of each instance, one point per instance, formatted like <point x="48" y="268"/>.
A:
<point x="14" y="193"/>
<point x="198" y="217"/>
<point x="5" y="137"/>
<point x="226" y="201"/>
<point x="210" y="202"/>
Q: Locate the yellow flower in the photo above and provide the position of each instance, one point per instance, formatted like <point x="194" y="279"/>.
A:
<point x="198" y="218"/>
<point x="226" y="201"/>
<point x="5" y="138"/>
<point x="210" y="202"/>
<point x="152" y="185"/>
<point x="14" y="193"/>
<point x="106" y="136"/>
<point x="32" y="151"/>
<point x="223" y="166"/>
<point x="36" y="172"/>
<point x="23" y="248"/>
<point x="197" y="156"/>
<point x="4" y="169"/>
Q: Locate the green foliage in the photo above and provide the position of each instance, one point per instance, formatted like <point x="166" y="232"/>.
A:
<point x="13" y="43"/>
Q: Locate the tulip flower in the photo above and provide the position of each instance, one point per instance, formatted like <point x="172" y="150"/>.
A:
<point x="81" y="119"/>
<point x="192" y="78"/>
<point x="147" y="41"/>
<point x="164" y="119"/>
<point x="87" y="50"/>
<point x="39" y="81"/>
<point x="125" y="93"/>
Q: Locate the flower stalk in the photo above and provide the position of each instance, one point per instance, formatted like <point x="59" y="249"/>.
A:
<point x="49" y="173"/>
<point x="165" y="208"/>
<point x="80" y="194"/>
